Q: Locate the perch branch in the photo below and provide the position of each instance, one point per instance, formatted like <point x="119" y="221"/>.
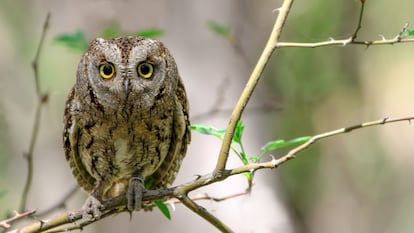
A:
<point x="180" y="192"/>
<point x="270" y="47"/>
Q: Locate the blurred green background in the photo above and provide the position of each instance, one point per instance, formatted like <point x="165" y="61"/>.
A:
<point x="358" y="182"/>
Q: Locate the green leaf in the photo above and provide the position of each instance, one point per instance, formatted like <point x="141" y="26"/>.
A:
<point x="163" y="208"/>
<point x="111" y="31"/>
<point x="277" y="144"/>
<point x="203" y="129"/>
<point x="151" y="33"/>
<point x="75" y="41"/>
<point x="219" y="29"/>
<point x="410" y="32"/>
<point x="243" y="158"/>
<point x="238" y="132"/>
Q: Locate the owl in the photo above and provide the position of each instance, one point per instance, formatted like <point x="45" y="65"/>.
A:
<point x="126" y="120"/>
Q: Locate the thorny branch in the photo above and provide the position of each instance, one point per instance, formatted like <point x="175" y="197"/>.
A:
<point x="116" y="205"/>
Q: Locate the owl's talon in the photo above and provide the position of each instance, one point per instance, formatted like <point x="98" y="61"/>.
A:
<point x="134" y="194"/>
<point x="91" y="209"/>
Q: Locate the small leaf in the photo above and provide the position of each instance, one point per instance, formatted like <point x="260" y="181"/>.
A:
<point x="410" y="32"/>
<point x="243" y="158"/>
<point x="75" y="41"/>
<point x="274" y="145"/>
<point x="238" y="133"/>
<point x="203" y="129"/>
<point x="151" y="33"/>
<point x="163" y="208"/>
<point x="111" y="31"/>
<point x="221" y="30"/>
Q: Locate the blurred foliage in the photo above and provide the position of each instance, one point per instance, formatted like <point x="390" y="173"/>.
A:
<point x="78" y="42"/>
<point x="221" y="30"/>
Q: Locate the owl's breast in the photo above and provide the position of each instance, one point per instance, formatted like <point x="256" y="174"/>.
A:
<point x="140" y="145"/>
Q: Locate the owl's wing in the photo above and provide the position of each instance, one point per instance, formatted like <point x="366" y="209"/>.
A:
<point x="71" y="136"/>
<point x="180" y="138"/>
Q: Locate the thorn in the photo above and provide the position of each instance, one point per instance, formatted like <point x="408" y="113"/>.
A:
<point x="382" y="37"/>
<point x="331" y="39"/>
<point x="274" y="161"/>
<point x="276" y="10"/>
<point x="198" y="176"/>
<point x="172" y="205"/>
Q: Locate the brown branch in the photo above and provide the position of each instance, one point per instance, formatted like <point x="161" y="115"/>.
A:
<point x="202" y="212"/>
<point x="6" y="224"/>
<point x="359" y="25"/>
<point x="117" y="205"/>
<point x="250" y="86"/>
<point x="42" y="99"/>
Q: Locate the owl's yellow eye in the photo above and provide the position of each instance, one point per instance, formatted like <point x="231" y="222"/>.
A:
<point x="107" y="70"/>
<point x="145" y="70"/>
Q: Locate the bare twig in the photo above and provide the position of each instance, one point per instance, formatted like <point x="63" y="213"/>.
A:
<point x="383" y="41"/>
<point x="250" y="86"/>
<point x="206" y="196"/>
<point x="41" y="100"/>
<point x="359" y="25"/>
<point x="201" y="211"/>
<point x="6" y="224"/>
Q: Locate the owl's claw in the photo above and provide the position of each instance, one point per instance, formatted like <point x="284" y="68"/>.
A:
<point x="134" y="194"/>
<point x="91" y="209"/>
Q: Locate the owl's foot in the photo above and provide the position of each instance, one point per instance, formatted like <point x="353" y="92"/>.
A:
<point x="134" y="194"/>
<point x="91" y="209"/>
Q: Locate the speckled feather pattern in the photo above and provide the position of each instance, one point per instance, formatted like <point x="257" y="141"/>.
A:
<point x="127" y="125"/>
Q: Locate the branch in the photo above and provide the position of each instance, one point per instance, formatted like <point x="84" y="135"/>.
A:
<point x="117" y="204"/>
<point x="250" y="86"/>
<point x="351" y="40"/>
<point x="6" y="224"/>
<point x="42" y="99"/>
<point x="359" y="25"/>
<point x="202" y="212"/>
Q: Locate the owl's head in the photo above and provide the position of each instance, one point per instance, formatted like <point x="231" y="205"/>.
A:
<point x="126" y="69"/>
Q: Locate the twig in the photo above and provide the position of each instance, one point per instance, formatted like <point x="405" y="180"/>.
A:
<point x="383" y="41"/>
<point x="292" y="153"/>
<point x="115" y="205"/>
<point x="41" y="100"/>
<point x="205" y="196"/>
<point x="359" y="25"/>
<point x="250" y="86"/>
<point x="6" y="224"/>
<point x="202" y="212"/>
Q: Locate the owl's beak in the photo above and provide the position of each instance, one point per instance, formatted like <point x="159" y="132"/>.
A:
<point x="126" y="86"/>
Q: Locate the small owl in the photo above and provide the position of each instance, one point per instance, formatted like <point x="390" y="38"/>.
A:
<point x="126" y="119"/>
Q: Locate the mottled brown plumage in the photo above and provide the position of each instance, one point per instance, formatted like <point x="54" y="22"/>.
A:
<point x="126" y="119"/>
